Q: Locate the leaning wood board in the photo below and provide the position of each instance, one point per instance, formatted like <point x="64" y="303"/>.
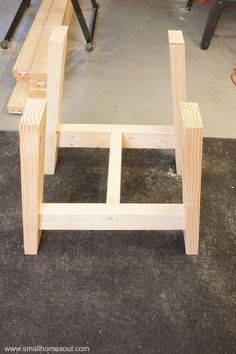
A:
<point x="23" y="63"/>
<point x="38" y="71"/>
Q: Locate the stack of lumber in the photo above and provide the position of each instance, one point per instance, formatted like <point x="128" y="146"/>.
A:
<point x="31" y="67"/>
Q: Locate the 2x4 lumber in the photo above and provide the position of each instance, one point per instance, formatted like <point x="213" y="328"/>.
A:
<point x="83" y="139"/>
<point x="114" y="168"/>
<point x="38" y="93"/>
<point x="108" y="128"/>
<point x="191" y="176"/>
<point x="178" y="81"/>
<point x="68" y="14"/>
<point x="153" y="140"/>
<point x="24" y="61"/>
<point x="112" y="217"/>
<point x="32" y="125"/>
<point x="98" y="135"/>
<point x="39" y="69"/>
<point x="19" y="96"/>
<point x="56" y="64"/>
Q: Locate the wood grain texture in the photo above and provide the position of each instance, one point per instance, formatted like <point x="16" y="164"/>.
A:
<point x="68" y="14"/>
<point x="114" y="168"/>
<point x="178" y="83"/>
<point x="108" y="128"/>
<point x="37" y="92"/>
<point x="112" y="217"/>
<point x="152" y="140"/>
<point x="175" y="37"/>
<point x="31" y="129"/>
<point x="98" y="135"/>
<point x="192" y="169"/>
<point x="19" y="96"/>
<point x="56" y="65"/>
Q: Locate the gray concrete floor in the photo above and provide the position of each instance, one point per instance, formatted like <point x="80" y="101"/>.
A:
<point x="126" y="78"/>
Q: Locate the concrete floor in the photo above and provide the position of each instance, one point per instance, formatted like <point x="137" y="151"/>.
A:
<point x="126" y="78"/>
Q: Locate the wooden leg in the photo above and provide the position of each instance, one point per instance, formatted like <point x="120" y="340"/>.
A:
<point x="56" y="64"/>
<point x="32" y="130"/>
<point x="192" y="168"/>
<point x="114" y="169"/>
<point x="177" y="66"/>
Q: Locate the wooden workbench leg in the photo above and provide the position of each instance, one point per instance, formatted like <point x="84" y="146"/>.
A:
<point x="177" y="67"/>
<point x="56" y="64"/>
<point x="32" y="131"/>
<point x="192" y="168"/>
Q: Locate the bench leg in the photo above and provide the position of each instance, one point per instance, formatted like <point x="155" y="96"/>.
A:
<point x="32" y="131"/>
<point x="56" y="66"/>
<point x="177" y="68"/>
<point x="191" y="177"/>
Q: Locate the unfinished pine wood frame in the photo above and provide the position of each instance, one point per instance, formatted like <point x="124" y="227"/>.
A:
<point x="185" y="137"/>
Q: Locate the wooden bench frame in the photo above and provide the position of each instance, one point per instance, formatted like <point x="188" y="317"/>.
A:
<point x="40" y="138"/>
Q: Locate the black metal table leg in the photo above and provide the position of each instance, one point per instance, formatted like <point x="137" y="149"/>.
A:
<point x="189" y="5"/>
<point x="87" y="31"/>
<point x="95" y="6"/>
<point x="216" y="9"/>
<point x="24" y="4"/>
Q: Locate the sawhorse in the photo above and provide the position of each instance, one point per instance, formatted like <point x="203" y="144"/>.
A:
<point x="88" y="31"/>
